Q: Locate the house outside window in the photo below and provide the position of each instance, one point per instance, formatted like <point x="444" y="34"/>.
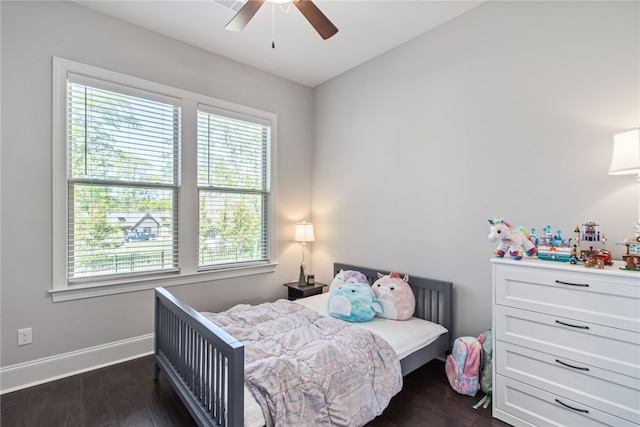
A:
<point x="124" y="188"/>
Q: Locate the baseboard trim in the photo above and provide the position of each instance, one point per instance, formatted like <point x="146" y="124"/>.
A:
<point x="29" y="374"/>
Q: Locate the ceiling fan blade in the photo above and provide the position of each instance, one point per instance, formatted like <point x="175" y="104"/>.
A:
<point x="244" y="15"/>
<point x="316" y="18"/>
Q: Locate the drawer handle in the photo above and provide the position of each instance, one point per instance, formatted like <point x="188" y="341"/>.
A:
<point x="571" y="326"/>
<point x="583" y="285"/>
<point x="571" y="366"/>
<point x="584" y="411"/>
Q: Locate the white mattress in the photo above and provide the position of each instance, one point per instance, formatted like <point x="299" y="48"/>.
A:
<point x="404" y="336"/>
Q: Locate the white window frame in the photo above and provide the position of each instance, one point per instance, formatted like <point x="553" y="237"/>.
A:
<point x="188" y="272"/>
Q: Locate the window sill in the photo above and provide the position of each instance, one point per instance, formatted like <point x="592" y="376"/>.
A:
<point x="75" y="292"/>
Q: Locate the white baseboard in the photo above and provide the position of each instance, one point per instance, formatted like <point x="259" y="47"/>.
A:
<point x="28" y="374"/>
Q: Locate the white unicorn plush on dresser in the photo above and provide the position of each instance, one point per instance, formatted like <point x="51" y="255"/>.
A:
<point x="514" y="240"/>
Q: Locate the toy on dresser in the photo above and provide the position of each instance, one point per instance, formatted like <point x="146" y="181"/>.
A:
<point x="589" y="234"/>
<point x="552" y="247"/>
<point x="514" y="240"/>
<point x="632" y="257"/>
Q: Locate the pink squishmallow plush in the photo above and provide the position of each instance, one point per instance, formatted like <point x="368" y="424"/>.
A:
<point x="395" y="295"/>
<point x="347" y="276"/>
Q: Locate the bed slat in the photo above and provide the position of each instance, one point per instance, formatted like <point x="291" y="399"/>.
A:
<point x="203" y="363"/>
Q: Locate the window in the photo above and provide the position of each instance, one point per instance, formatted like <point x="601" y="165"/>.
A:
<point x="127" y="193"/>
<point x="122" y="162"/>
<point x="233" y="186"/>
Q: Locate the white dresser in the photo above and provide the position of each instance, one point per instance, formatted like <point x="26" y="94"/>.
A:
<point x="566" y="344"/>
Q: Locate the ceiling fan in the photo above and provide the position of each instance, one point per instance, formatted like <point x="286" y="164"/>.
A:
<point x="316" y="18"/>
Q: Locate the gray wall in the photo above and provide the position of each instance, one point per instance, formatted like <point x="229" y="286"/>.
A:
<point x="507" y="111"/>
<point x="33" y="32"/>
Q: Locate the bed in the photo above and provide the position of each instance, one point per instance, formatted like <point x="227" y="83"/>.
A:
<point x="206" y="365"/>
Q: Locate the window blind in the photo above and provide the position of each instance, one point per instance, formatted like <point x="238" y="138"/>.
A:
<point x="123" y="179"/>
<point x="233" y="186"/>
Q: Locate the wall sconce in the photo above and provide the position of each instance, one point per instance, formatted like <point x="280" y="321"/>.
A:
<point x="626" y="156"/>
<point x="303" y="234"/>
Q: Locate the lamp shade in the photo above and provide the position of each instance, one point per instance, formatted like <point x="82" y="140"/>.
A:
<point x="304" y="232"/>
<point x="626" y="153"/>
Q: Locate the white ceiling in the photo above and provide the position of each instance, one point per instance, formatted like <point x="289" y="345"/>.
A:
<point x="366" y="29"/>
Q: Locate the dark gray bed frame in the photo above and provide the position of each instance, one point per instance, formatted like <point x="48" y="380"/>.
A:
<point x="205" y="365"/>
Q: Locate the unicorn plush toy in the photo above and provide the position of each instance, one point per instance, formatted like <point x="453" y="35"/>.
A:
<point x="514" y="240"/>
<point x="395" y="296"/>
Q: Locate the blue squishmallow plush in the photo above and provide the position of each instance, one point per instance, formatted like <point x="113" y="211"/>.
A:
<point x="353" y="302"/>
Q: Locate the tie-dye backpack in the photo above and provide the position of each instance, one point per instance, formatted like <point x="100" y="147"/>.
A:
<point x="463" y="365"/>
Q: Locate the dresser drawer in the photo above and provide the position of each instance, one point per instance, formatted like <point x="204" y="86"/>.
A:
<point x="592" y="386"/>
<point x="521" y="404"/>
<point x="612" y="349"/>
<point x="606" y="299"/>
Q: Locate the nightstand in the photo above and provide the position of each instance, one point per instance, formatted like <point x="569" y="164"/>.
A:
<point x="296" y="292"/>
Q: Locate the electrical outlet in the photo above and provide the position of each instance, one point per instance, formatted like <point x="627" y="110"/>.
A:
<point x="24" y="336"/>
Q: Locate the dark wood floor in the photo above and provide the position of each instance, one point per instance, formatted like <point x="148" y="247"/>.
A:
<point x="126" y="395"/>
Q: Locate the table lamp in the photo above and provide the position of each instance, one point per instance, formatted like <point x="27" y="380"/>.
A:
<point x="625" y="159"/>
<point x="303" y="234"/>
